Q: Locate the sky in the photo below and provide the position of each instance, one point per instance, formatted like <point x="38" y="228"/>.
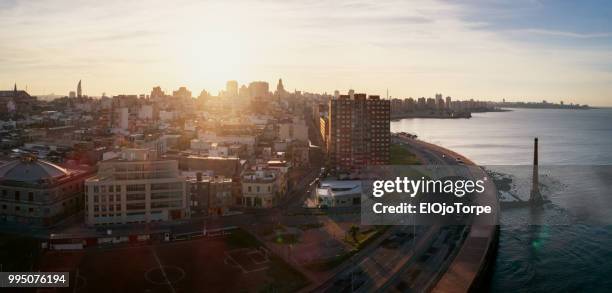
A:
<point x="523" y="50"/>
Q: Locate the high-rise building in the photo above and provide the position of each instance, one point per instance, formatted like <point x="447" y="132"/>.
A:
<point x="359" y="132"/>
<point x="182" y="92"/>
<point x="439" y="102"/>
<point x="79" y="90"/>
<point x="136" y="187"/>
<point x="157" y="92"/>
<point x="231" y="88"/>
<point x="280" y="89"/>
<point x="259" y="89"/>
<point x="244" y="92"/>
<point x="122" y="117"/>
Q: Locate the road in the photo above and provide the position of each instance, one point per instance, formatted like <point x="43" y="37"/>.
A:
<point x="412" y="263"/>
<point x="462" y="273"/>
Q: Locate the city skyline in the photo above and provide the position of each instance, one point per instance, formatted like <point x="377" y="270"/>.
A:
<point x="519" y="50"/>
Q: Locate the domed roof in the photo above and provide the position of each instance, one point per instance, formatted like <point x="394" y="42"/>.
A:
<point x="31" y="170"/>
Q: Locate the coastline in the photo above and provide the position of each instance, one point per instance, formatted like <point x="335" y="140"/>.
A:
<point x="471" y="265"/>
<point x="464" y="115"/>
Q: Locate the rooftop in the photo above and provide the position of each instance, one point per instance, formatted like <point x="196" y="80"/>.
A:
<point x="29" y="169"/>
<point x="339" y="188"/>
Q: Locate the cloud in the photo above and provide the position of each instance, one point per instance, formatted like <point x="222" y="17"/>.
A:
<point x="413" y="47"/>
<point x="567" y="34"/>
<point x="8" y="4"/>
<point x="120" y="36"/>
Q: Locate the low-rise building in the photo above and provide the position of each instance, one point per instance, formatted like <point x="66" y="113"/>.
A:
<point x="211" y="195"/>
<point x="40" y="193"/>
<point x="260" y="189"/>
<point x="136" y="187"/>
<point x="338" y="193"/>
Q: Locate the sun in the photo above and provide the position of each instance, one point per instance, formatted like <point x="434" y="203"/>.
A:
<point x="213" y="57"/>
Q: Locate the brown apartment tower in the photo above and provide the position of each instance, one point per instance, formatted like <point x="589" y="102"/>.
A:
<point x="359" y="132"/>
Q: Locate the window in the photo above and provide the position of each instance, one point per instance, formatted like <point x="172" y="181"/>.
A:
<point x="17" y="208"/>
<point x="17" y="195"/>
<point x="135" y="187"/>
<point x="135" y="206"/>
<point x="139" y="196"/>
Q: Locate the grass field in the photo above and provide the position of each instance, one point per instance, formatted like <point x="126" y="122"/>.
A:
<point x="235" y="263"/>
<point x="401" y="156"/>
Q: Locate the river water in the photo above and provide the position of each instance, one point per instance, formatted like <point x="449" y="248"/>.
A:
<point x="573" y="257"/>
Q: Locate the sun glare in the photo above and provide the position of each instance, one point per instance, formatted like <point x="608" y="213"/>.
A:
<point x="213" y="57"/>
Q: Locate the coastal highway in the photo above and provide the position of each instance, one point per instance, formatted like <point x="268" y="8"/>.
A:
<point x="409" y="258"/>
<point x="462" y="273"/>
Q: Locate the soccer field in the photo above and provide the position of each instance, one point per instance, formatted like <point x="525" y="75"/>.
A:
<point x="231" y="263"/>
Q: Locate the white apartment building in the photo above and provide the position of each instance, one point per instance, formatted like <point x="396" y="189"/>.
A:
<point x="136" y="187"/>
<point x="260" y="189"/>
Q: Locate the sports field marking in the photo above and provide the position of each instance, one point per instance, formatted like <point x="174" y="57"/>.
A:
<point x="166" y="268"/>
<point x="161" y="267"/>
<point x="258" y="257"/>
<point x="247" y="252"/>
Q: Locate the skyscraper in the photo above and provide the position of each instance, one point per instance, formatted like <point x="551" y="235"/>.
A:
<point x="359" y="131"/>
<point x="231" y="88"/>
<point x="79" y="90"/>
<point x="259" y="89"/>
<point x="157" y="92"/>
<point x="244" y="92"/>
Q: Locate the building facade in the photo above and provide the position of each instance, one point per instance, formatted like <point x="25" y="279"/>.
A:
<point x="211" y="195"/>
<point x="39" y="193"/>
<point x="136" y="188"/>
<point x="260" y="189"/>
<point x="359" y="132"/>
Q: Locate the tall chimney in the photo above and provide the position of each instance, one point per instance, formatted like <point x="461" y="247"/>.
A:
<point x="536" y="196"/>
